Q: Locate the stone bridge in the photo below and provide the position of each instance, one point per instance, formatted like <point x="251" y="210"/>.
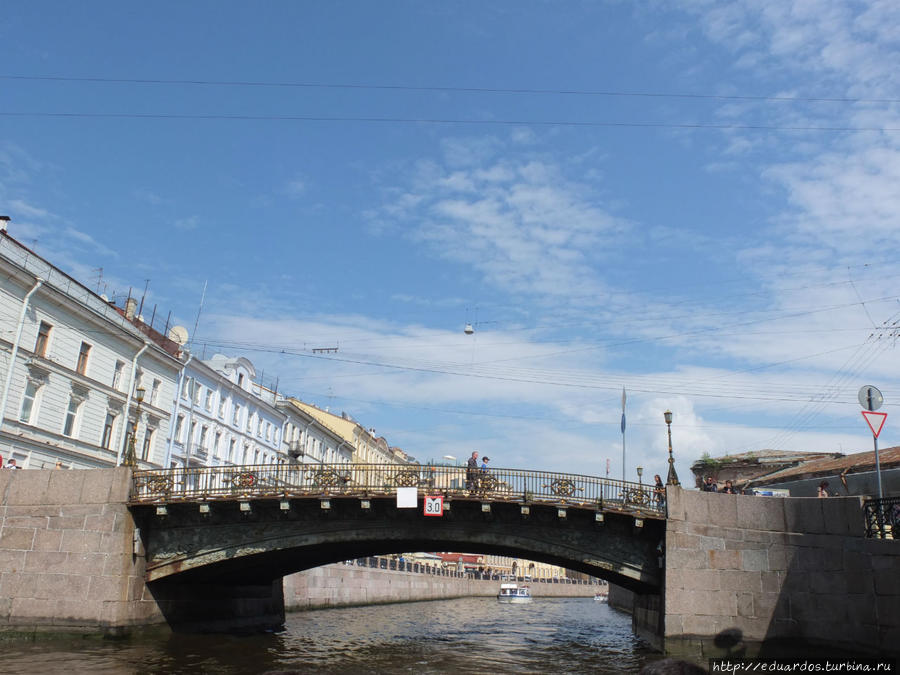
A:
<point x="108" y="549"/>
<point x="209" y="531"/>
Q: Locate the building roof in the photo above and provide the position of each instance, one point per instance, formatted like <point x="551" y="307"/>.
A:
<point x="855" y="463"/>
<point x="767" y="457"/>
<point x="465" y="558"/>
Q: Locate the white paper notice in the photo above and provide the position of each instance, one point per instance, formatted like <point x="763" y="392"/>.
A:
<point x="407" y="497"/>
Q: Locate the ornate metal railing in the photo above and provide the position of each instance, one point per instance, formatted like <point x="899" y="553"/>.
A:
<point x="882" y="518"/>
<point x="371" y="480"/>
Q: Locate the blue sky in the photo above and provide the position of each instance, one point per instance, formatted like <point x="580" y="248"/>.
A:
<point x="697" y="201"/>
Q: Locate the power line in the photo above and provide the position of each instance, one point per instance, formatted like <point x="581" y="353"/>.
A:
<point x="447" y="121"/>
<point x="446" y="89"/>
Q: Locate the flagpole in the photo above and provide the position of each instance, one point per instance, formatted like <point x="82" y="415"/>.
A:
<point x="623" y="434"/>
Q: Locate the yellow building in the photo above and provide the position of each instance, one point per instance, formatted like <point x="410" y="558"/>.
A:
<point x="366" y="447"/>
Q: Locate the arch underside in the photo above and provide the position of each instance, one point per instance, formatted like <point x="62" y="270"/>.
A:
<point x="271" y="545"/>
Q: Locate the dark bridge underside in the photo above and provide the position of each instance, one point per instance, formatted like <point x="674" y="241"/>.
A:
<point x="227" y="546"/>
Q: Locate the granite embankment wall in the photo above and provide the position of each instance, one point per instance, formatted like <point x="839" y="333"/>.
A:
<point x="765" y="568"/>
<point x="66" y="552"/>
<point x="346" y="585"/>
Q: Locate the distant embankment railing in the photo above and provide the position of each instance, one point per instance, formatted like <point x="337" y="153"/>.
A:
<point x="374" y="480"/>
<point x="883" y="518"/>
<point x="385" y="563"/>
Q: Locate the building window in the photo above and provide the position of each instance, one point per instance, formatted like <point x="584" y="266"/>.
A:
<point x="204" y="433"/>
<point x="218" y="445"/>
<point x="179" y="429"/>
<point x="222" y="408"/>
<point x="81" y="366"/>
<point x="129" y="432"/>
<point x="197" y="391"/>
<point x="43" y="339"/>
<point x="240" y="379"/>
<point x="108" y="427"/>
<point x="154" y="392"/>
<point x="117" y="374"/>
<point x="193" y="433"/>
<point x="236" y="419"/>
<point x="249" y="423"/>
<point x="148" y="443"/>
<point x="71" y="416"/>
<point x="28" y="399"/>
<point x="209" y="399"/>
<point x="259" y="426"/>
<point x="186" y="387"/>
<point x="231" y="457"/>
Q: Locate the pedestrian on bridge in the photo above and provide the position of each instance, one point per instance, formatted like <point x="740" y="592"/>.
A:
<point x="659" y="491"/>
<point x="472" y="472"/>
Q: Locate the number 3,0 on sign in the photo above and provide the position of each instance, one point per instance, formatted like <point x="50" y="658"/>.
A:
<point x="434" y="506"/>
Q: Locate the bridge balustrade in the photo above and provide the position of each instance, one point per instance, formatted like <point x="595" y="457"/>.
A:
<point x="882" y="518"/>
<point x="373" y="480"/>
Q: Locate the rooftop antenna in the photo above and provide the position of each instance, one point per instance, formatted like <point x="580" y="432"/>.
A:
<point x="197" y="322"/>
<point x="146" y="286"/>
<point x="99" y="271"/>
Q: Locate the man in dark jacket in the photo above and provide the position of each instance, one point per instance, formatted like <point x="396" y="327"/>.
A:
<point x="472" y="472"/>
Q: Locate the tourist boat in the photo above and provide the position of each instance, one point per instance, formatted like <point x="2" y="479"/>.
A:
<point x="514" y="594"/>
<point x="600" y="597"/>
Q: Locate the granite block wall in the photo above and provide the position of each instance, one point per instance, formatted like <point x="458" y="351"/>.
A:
<point x="66" y="552"/>
<point x="771" y="568"/>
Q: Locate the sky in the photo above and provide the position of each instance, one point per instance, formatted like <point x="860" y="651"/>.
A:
<point x="695" y="201"/>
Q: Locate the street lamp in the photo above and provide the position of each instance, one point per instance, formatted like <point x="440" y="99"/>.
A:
<point x="640" y="471"/>
<point x="130" y="458"/>
<point x="672" y="478"/>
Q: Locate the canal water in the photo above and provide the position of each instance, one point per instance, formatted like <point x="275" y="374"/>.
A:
<point x="469" y="635"/>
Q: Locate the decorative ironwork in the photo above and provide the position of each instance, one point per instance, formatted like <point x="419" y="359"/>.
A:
<point x="638" y="497"/>
<point x="372" y="480"/>
<point x="488" y="483"/>
<point x="154" y="484"/>
<point x="328" y="478"/>
<point x="244" y="480"/>
<point x="406" y="478"/>
<point x="564" y="487"/>
<point x="882" y="518"/>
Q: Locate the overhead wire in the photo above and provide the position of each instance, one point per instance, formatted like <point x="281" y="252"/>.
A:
<point x="446" y="89"/>
<point x="448" y="121"/>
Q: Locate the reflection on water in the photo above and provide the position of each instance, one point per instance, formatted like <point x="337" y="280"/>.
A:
<point x="470" y="635"/>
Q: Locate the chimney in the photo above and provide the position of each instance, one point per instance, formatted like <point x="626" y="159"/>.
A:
<point x="4" y="221"/>
<point x="130" y="307"/>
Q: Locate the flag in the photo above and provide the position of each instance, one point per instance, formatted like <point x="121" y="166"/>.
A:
<point x="623" y="410"/>
<point x="623" y="423"/>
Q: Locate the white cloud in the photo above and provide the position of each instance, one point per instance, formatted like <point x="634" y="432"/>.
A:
<point x="189" y="223"/>
<point x="522" y="224"/>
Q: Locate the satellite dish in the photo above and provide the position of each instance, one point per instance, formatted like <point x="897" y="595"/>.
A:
<point x="178" y="335"/>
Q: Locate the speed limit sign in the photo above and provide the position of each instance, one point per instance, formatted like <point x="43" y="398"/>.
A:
<point x="434" y="506"/>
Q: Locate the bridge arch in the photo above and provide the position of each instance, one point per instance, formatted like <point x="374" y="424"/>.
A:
<point x="270" y="541"/>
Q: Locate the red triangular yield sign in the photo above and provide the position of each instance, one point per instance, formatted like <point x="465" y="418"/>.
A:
<point x="875" y="420"/>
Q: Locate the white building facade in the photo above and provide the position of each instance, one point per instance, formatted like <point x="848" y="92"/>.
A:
<point x="219" y="420"/>
<point x="71" y="364"/>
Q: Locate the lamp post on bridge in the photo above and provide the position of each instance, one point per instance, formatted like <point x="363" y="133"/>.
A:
<point x="672" y="478"/>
